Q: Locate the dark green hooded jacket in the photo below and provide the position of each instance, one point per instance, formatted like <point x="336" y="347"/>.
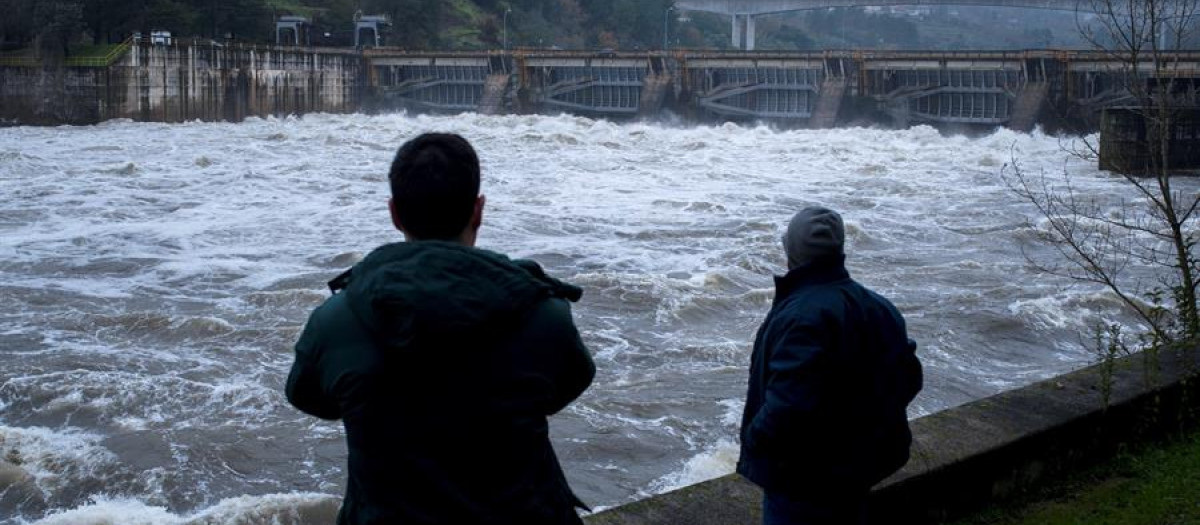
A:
<point x="443" y="362"/>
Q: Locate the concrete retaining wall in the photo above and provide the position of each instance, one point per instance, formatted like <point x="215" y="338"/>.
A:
<point x="35" y="95"/>
<point x="186" y="82"/>
<point x="974" y="454"/>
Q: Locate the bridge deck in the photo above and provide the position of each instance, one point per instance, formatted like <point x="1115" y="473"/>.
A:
<point x="763" y="7"/>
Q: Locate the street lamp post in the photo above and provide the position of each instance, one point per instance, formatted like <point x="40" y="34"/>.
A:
<point x="666" y="19"/>
<point x="506" y="12"/>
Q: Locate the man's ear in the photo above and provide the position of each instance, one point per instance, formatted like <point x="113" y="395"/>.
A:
<point x="396" y="216"/>
<point x="477" y="217"/>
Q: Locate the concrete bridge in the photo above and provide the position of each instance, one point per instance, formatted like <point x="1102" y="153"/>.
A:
<point x="796" y="89"/>
<point x="744" y="11"/>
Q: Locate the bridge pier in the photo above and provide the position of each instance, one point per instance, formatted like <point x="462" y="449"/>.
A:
<point x="737" y="32"/>
<point x="743" y="32"/>
<point x="750" y="33"/>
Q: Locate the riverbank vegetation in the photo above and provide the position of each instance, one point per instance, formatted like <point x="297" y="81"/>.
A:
<point x="1144" y="250"/>
<point x="1154" y="484"/>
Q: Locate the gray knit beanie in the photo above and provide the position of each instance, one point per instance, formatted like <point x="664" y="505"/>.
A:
<point x="814" y="232"/>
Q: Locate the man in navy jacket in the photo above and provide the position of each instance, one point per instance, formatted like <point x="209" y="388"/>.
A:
<point x="831" y="376"/>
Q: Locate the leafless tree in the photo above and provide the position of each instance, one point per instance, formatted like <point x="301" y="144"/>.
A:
<point x="1156" y="228"/>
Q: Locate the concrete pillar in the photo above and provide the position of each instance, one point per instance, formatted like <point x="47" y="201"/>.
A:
<point x="750" y="32"/>
<point x="737" y="33"/>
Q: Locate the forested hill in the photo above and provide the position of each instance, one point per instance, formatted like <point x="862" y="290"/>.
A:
<point x="426" y="24"/>
<point x="65" y="26"/>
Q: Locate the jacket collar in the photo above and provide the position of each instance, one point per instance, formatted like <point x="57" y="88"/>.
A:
<point x="821" y="271"/>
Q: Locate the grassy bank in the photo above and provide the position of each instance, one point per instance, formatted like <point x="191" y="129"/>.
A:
<point x="1156" y="484"/>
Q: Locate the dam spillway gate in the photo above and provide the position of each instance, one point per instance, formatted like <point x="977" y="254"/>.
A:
<point x="796" y="89"/>
<point x="753" y="88"/>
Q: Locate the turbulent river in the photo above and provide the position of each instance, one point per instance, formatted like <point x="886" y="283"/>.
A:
<point x="154" y="278"/>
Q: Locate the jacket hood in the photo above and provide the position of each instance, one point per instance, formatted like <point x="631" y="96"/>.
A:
<point x="416" y="291"/>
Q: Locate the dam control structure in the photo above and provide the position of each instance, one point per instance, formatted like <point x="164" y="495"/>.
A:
<point x="797" y="89"/>
<point x="199" y="80"/>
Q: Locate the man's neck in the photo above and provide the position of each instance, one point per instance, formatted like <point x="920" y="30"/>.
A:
<point x="464" y="240"/>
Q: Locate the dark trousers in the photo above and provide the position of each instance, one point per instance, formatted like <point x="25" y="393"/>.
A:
<point x="789" y="509"/>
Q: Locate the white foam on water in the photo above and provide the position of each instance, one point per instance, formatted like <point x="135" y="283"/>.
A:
<point x="1079" y="311"/>
<point x="1050" y="311"/>
<point x="732" y="418"/>
<point x="54" y="458"/>
<point x="112" y="512"/>
<point x="161" y="402"/>
<point x="270" y="509"/>
<point x="716" y="461"/>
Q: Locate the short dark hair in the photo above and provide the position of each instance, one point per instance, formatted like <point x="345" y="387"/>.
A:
<point x="435" y="182"/>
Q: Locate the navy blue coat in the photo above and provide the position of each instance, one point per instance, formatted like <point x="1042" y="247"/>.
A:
<point x="831" y="376"/>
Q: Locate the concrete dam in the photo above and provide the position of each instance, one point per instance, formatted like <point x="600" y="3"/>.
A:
<point x="791" y="89"/>
<point x="813" y="90"/>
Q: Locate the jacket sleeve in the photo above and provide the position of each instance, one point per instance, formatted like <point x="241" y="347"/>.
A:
<point x="795" y="383"/>
<point x="304" y="385"/>
<point x="575" y="369"/>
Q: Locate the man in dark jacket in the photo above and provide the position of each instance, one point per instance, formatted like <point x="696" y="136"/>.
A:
<point x="443" y="361"/>
<point x="832" y="373"/>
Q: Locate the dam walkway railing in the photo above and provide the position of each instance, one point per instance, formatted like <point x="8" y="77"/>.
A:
<point x="110" y="57"/>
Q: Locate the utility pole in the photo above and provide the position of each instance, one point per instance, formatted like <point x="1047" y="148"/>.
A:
<point x="506" y="12"/>
<point x="666" y="27"/>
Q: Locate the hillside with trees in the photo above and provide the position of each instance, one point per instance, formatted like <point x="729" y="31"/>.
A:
<point x="58" y="26"/>
<point x="425" y="24"/>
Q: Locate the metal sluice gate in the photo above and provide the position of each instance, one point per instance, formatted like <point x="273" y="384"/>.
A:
<point x="758" y="92"/>
<point x="594" y="89"/>
<point x="434" y="84"/>
<point x="975" y="96"/>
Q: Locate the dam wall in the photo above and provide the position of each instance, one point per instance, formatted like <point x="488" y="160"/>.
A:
<point x="816" y="89"/>
<point x="793" y="89"/>
<point x="180" y="82"/>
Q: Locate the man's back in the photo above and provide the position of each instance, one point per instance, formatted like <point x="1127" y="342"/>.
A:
<point x="830" y="377"/>
<point x="444" y="361"/>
